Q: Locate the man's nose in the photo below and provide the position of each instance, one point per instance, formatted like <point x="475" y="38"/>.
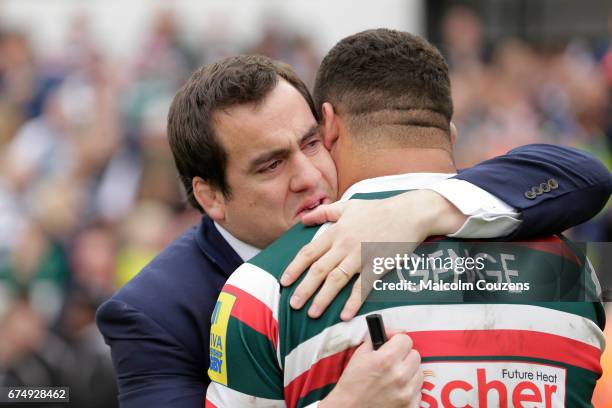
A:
<point x="306" y="175"/>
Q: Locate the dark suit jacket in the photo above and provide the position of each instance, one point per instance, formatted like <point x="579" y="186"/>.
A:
<point x="158" y="324"/>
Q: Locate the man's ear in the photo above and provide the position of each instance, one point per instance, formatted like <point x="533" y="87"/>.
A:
<point x="209" y="198"/>
<point x="330" y="125"/>
<point x="453" y="134"/>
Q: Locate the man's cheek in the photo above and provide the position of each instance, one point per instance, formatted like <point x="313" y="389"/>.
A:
<point x="332" y="180"/>
<point x="332" y="176"/>
<point x="327" y="168"/>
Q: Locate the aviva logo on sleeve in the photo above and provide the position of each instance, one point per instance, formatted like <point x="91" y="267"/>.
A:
<point x="219" y="320"/>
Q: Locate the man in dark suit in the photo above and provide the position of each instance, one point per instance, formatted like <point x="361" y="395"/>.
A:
<point x="158" y="324"/>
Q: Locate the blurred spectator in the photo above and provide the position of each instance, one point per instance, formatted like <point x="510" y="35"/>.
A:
<point x="462" y="39"/>
<point x="297" y="50"/>
<point x="94" y="263"/>
<point x="29" y="352"/>
<point x="38" y="269"/>
<point x="24" y="333"/>
<point x="41" y="149"/>
<point x="91" y="379"/>
<point x="142" y="239"/>
<point x="17" y="82"/>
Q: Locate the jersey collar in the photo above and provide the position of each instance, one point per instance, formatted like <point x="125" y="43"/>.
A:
<point x="408" y="181"/>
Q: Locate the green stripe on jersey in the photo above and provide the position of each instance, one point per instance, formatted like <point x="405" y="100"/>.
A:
<point x="315" y="395"/>
<point x="262" y="378"/>
<point x="275" y="258"/>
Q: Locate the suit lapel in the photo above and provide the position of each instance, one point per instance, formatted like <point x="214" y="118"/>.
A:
<point x="216" y="248"/>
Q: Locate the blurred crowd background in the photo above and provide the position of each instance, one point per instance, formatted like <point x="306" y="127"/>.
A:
<point x="88" y="189"/>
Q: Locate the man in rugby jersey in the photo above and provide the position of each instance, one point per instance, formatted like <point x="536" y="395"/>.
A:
<point x="385" y="100"/>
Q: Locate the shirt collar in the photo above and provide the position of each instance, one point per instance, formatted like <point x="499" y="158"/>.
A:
<point x="244" y="250"/>
<point x="408" y="181"/>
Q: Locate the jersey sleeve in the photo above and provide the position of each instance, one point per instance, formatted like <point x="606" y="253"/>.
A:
<point x="244" y="366"/>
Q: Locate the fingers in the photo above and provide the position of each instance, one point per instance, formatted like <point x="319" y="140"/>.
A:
<point x="318" y="272"/>
<point x="305" y="257"/>
<point x="397" y="347"/>
<point x="416" y="375"/>
<point x="354" y="302"/>
<point x="325" y="213"/>
<point x="334" y="282"/>
<point x="412" y="363"/>
<point x="414" y="388"/>
<point x="365" y="347"/>
<point x="356" y="299"/>
<point x="408" y="378"/>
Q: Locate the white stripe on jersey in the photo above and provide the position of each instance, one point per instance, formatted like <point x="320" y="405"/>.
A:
<point x="258" y="283"/>
<point x="222" y="396"/>
<point x="344" y="335"/>
<point x="263" y="286"/>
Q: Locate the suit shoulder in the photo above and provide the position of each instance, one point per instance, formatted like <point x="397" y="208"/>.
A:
<point x="175" y="294"/>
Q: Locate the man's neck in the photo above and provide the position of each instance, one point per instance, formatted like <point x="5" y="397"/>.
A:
<point x="386" y="162"/>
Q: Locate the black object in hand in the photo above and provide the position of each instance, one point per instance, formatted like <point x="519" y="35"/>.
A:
<point x="377" y="330"/>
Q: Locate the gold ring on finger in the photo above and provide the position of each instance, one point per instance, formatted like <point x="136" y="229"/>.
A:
<point x="341" y="269"/>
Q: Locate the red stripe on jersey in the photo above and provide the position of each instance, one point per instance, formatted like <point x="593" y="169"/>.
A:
<point x="552" y="245"/>
<point x="254" y="313"/>
<point x="459" y="343"/>
<point x="208" y="404"/>
<point x="519" y="343"/>
<point x="325" y="371"/>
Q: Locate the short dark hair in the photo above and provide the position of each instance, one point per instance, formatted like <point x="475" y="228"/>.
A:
<point x="231" y="81"/>
<point x="386" y="77"/>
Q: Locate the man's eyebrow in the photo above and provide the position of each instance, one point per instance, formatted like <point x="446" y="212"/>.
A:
<point x="267" y="156"/>
<point x="282" y="152"/>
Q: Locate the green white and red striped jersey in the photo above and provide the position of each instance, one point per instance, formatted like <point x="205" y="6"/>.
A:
<point x="265" y="354"/>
